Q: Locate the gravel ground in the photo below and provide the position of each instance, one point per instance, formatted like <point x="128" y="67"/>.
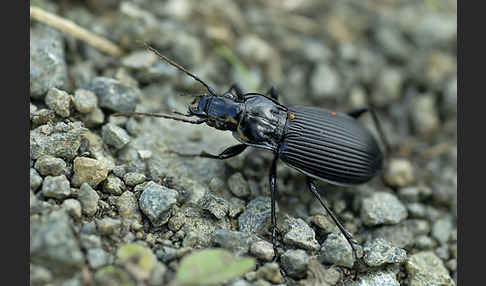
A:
<point x="112" y="203"/>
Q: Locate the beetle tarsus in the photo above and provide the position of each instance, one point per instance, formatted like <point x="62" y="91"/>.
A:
<point x="229" y="152"/>
<point x="273" y="190"/>
<point x="346" y="234"/>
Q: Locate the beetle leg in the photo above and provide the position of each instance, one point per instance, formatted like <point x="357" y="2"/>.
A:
<point x="227" y="153"/>
<point x="273" y="190"/>
<point x="359" y="111"/>
<point x="237" y="91"/>
<point x="346" y="234"/>
<point x="272" y="92"/>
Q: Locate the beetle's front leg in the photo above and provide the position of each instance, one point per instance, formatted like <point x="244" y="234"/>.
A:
<point x="273" y="191"/>
<point x="227" y="153"/>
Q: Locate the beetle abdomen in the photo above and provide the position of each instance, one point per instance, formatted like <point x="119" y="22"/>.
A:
<point x="329" y="146"/>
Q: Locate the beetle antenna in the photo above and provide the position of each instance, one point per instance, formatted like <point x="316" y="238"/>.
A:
<point x="177" y="66"/>
<point x="199" y="121"/>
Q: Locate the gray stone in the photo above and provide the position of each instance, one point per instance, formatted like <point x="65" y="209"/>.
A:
<point x="108" y="226"/>
<point x="336" y="250"/>
<point x="379" y="252"/>
<point x="263" y="250"/>
<point x="389" y="87"/>
<point x="59" y="101"/>
<point x="236" y="206"/>
<point x="47" y="61"/>
<point x="114" y="136"/>
<point x="56" y="187"/>
<point x="442" y="228"/>
<point x="42" y="116"/>
<point x="270" y="271"/>
<point x="113" y="185"/>
<point x="236" y="241"/>
<point x="256" y="216"/>
<point x="375" y="278"/>
<point x="216" y="206"/>
<point x="73" y="208"/>
<point x="89" y="241"/>
<point x="295" y="262"/>
<point x="382" y="208"/>
<point x="53" y="244"/>
<point x="128" y="206"/>
<point x="61" y="140"/>
<point x="114" y="95"/>
<point x="299" y="234"/>
<point x="90" y="171"/>
<point x="424" y="115"/>
<point x="97" y="257"/>
<point x="325" y="81"/>
<point x="134" y="178"/>
<point x="425" y="268"/>
<point x="94" y="118"/>
<point x="39" y="275"/>
<point x="157" y="276"/>
<point x="35" y="179"/>
<point x="49" y="165"/>
<point x="156" y="201"/>
<point x="399" y="172"/>
<point x="85" y="101"/>
<point x="88" y="199"/>
<point x="238" y="185"/>
<point x="424" y="242"/>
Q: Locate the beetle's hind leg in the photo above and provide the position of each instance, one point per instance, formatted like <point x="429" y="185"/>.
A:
<point x="346" y="234"/>
<point x="272" y="92"/>
<point x="229" y="152"/>
<point x="359" y="111"/>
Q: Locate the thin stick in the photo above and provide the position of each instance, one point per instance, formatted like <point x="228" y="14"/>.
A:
<point x="177" y="66"/>
<point x="76" y="31"/>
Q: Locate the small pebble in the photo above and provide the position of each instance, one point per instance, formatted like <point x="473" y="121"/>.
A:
<point x="256" y="216"/>
<point x="88" y="199"/>
<point x="85" y="101"/>
<point x="425" y="242"/>
<point x="35" y="179"/>
<point x="97" y="257"/>
<point x="236" y="241"/>
<point x="424" y="114"/>
<point x="238" y="185"/>
<point x="128" y="206"/>
<point x="379" y="252"/>
<point x="114" y="95"/>
<point x="215" y="205"/>
<point x="94" y="118"/>
<point x="114" y="136"/>
<point x="59" y="101"/>
<point x="87" y="170"/>
<point x="376" y="278"/>
<point x="336" y="250"/>
<point x="270" y="271"/>
<point x="299" y="234"/>
<point x="425" y="268"/>
<point x="295" y="262"/>
<point x="442" y="228"/>
<point x="134" y="178"/>
<point x="382" y="208"/>
<point x="156" y="201"/>
<point x="399" y="173"/>
<point x="113" y="185"/>
<point x="73" y="208"/>
<point x="108" y="226"/>
<point x="262" y="250"/>
<point x="56" y="187"/>
<point x="49" y="165"/>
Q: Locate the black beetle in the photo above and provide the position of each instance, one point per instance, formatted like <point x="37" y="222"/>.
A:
<point x="322" y="144"/>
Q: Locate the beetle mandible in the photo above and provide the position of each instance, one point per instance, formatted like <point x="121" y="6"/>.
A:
<point x="322" y="144"/>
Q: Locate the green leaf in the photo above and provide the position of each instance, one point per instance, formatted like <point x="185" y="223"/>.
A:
<point x="211" y="266"/>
